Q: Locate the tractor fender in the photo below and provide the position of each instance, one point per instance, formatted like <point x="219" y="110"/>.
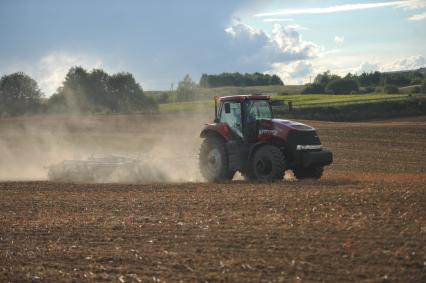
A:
<point x="220" y="130"/>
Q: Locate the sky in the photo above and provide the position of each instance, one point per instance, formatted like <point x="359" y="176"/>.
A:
<point x="160" y="41"/>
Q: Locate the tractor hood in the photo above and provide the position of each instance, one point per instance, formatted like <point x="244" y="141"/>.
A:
<point x="292" y="125"/>
<point x="283" y="125"/>
<point x="281" y="128"/>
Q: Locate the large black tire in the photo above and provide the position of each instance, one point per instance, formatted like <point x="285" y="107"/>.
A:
<point x="267" y="165"/>
<point x="213" y="161"/>
<point x="308" y="173"/>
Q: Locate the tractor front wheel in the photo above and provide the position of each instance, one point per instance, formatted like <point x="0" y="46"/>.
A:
<point x="268" y="164"/>
<point x="213" y="161"/>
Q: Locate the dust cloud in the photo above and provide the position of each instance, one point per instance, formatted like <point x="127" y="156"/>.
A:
<point x="167" y="145"/>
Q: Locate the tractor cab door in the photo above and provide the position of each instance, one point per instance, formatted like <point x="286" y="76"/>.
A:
<point x="253" y="111"/>
<point x="230" y="114"/>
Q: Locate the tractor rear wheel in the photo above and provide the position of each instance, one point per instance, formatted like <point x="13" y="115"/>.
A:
<point x="308" y="173"/>
<point x="268" y="164"/>
<point x="213" y="161"/>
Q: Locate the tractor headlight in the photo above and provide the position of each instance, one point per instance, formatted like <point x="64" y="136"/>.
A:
<point x="308" y="147"/>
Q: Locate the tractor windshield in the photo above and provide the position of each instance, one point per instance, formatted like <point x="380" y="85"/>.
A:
<point x="259" y="109"/>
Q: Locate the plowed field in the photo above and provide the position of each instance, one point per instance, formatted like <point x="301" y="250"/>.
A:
<point x="365" y="221"/>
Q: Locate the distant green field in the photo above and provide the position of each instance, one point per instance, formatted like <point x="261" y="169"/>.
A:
<point x="299" y="101"/>
<point x="208" y="93"/>
<point x="268" y="90"/>
<point x="186" y="106"/>
<point x="314" y="100"/>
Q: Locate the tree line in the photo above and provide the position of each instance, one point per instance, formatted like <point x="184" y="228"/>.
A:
<point x="238" y="79"/>
<point x="97" y="91"/>
<point x="188" y="90"/>
<point x="81" y="91"/>
<point x="367" y="82"/>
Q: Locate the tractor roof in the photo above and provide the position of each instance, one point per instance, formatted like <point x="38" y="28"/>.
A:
<point x="244" y="97"/>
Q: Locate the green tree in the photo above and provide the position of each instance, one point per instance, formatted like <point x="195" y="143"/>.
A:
<point x="369" y="79"/>
<point x="127" y="95"/>
<point x="19" y="94"/>
<point x="75" y="89"/>
<point x="342" y="86"/>
<point x="186" y="89"/>
<point x="238" y="79"/>
<point x="416" y="89"/>
<point x="57" y="103"/>
<point x="163" y="97"/>
<point x="390" y="89"/>
<point x="397" y="78"/>
<point x="275" y="80"/>
<point x="97" y="91"/>
<point x="416" y="78"/>
<point x="204" y="80"/>
<point x="313" y="89"/>
<point x="325" y="78"/>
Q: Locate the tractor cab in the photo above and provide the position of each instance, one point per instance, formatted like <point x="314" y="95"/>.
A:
<point x="243" y="113"/>
<point x="246" y="137"/>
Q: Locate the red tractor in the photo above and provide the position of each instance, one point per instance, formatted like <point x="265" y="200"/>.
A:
<point x="245" y="137"/>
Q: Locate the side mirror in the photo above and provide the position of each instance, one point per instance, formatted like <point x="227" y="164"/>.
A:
<point x="276" y="102"/>
<point x="227" y="108"/>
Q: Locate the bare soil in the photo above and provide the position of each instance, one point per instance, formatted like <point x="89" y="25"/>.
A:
<point x="365" y="221"/>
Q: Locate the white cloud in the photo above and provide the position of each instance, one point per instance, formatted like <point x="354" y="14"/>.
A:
<point x="413" y="4"/>
<point x="339" y="39"/>
<point x="297" y="72"/>
<point x="296" y="27"/>
<point x="327" y="10"/>
<point x="400" y="64"/>
<point x="241" y="31"/>
<point x="406" y="4"/>
<point x="330" y="51"/>
<point x="409" y="63"/>
<point x="247" y="42"/>
<point x="290" y="41"/>
<point x="277" y="20"/>
<point x="300" y="72"/>
<point x="418" y="17"/>
<point x="367" y="67"/>
<point x="256" y="47"/>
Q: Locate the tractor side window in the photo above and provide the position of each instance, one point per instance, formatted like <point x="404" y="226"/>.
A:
<point x="233" y="118"/>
